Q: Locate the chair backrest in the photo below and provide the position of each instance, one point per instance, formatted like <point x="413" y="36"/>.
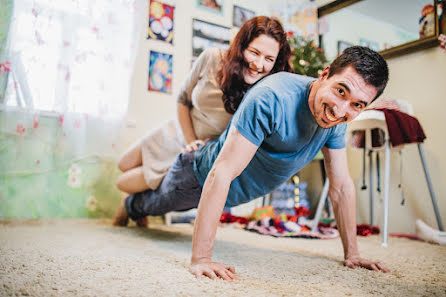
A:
<point x="404" y="106"/>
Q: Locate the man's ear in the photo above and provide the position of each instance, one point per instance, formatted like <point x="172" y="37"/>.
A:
<point x="325" y="73"/>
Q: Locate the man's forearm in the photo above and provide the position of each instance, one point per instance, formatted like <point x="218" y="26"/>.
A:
<point x="344" y="207"/>
<point x="212" y="201"/>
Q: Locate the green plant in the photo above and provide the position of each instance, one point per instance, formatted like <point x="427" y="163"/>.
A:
<point x="307" y="59"/>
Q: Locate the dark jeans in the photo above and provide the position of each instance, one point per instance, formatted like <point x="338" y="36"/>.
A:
<point x="179" y="190"/>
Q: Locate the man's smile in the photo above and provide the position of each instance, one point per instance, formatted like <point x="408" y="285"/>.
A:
<point x="329" y="115"/>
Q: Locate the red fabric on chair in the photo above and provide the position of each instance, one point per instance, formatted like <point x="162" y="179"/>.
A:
<point x="403" y="128"/>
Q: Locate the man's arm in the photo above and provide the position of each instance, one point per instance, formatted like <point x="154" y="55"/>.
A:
<point x="235" y="155"/>
<point x="343" y="197"/>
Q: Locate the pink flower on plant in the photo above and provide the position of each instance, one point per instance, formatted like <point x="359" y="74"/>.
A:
<point x="38" y="162"/>
<point x="36" y="121"/>
<point x="77" y="124"/>
<point x="66" y="43"/>
<point x="67" y="76"/>
<point x="5" y="67"/>
<point x="20" y="129"/>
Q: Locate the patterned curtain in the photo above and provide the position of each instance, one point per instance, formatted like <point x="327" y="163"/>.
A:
<point x="68" y="65"/>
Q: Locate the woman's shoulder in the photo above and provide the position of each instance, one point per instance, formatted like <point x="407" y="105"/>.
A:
<point x="212" y="54"/>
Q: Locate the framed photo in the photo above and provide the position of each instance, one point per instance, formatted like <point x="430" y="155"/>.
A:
<point x="215" y="6"/>
<point x="206" y="35"/>
<point x="160" y="72"/>
<point x="342" y="45"/>
<point x="240" y="15"/>
<point x="370" y="44"/>
<point x="160" y="21"/>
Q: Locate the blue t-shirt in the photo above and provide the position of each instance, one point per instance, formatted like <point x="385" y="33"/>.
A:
<point x="275" y="116"/>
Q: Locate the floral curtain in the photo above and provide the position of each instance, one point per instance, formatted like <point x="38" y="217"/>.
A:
<point x="68" y="65"/>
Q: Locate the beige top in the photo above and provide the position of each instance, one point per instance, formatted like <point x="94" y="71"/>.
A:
<point x="202" y="93"/>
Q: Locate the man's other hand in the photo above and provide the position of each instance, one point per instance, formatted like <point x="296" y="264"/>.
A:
<point x="213" y="270"/>
<point x="360" y="262"/>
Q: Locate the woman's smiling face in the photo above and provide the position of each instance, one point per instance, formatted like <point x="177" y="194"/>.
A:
<point x="260" y="56"/>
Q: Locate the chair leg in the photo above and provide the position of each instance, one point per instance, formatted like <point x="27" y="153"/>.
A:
<point x="371" y="185"/>
<point x="320" y="205"/>
<point x="386" y="192"/>
<point x="431" y="189"/>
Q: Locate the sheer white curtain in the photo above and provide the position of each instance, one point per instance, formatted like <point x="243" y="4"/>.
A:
<point x="73" y="59"/>
<point x="70" y="64"/>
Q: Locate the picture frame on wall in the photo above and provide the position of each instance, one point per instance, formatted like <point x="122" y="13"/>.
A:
<point x="342" y="45"/>
<point x="240" y="15"/>
<point x="160" y="72"/>
<point x="207" y="35"/>
<point x="215" y="6"/>
<point x="370" y="44"/>
<point x="161" y="23"/>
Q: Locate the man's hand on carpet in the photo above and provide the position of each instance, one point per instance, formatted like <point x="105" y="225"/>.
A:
<point x="372" y="265"/>
<point x="213" y="270"/>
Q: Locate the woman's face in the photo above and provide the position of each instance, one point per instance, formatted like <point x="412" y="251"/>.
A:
<point x="260" y="55"/>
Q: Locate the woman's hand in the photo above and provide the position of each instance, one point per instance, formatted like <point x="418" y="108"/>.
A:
<point x="194" y="145"/>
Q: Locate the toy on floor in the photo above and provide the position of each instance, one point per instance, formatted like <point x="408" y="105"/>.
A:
<point x="429" y="234"/>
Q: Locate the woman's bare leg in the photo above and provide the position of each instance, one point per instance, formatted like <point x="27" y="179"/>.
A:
<point x="121" y="217"/>
<point x="131" y="181"/>
<point x="131" y="158"/>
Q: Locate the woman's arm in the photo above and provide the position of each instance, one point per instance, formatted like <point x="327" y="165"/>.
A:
<point x="185" y="120"/>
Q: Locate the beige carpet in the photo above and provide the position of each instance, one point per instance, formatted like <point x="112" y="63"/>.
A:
<point x="91" y="258"/>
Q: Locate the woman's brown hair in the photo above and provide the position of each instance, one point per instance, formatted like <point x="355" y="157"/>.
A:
<point x="230" y="75"/>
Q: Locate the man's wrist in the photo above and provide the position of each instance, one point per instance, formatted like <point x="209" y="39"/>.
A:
<point x="200" y="260"/>
<point x="352" y="255"/>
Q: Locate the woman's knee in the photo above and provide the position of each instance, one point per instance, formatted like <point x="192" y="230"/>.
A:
<point x="130" y="159"/>
<point x="121" y="183"/>
<point x="132" y="181"/>
<point x="123" y="164"/>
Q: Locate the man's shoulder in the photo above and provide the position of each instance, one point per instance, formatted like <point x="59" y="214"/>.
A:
<point x="290" y="81"/>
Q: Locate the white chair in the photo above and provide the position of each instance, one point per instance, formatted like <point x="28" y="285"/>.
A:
<point x="367" y="121"/>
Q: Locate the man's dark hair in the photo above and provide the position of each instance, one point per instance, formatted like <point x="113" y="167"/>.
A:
<point x="368" y="63"/>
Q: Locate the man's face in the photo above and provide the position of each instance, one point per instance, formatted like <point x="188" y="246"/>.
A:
<point x="340" y="98"/>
